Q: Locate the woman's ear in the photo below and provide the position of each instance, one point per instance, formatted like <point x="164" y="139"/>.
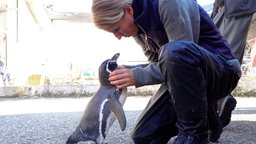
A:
<point x="129" y="10"/>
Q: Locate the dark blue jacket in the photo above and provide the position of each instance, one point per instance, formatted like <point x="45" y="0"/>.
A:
<point x="147" y="17"/>
<point x="163" y="21"/>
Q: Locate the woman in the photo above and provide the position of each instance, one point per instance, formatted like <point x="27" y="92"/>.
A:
<point x="187" y="55"/>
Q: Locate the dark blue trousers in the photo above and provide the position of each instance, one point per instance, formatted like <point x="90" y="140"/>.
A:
<point x="196" y="78"/>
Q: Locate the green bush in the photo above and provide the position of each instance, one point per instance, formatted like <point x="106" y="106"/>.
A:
<point x="246" y="87"/>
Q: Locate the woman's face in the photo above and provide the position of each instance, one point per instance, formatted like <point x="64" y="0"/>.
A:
<point x="125" y="27"/>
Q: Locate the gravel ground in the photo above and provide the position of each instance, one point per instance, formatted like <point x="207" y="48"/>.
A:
<point x="52" y="120"/>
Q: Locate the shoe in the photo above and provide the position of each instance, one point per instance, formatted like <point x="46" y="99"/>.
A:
<point x="184" y="138"/>
<point x="225" y="108"/>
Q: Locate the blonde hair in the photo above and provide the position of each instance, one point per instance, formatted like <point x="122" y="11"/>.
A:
<point x="107" y="12"/>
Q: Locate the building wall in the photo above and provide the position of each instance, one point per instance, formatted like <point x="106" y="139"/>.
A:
<point x="60" y="51"/>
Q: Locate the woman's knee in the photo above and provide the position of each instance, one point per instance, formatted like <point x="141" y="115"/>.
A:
<point x="185" y="52"/>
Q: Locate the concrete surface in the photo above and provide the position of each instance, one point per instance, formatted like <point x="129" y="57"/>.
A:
<point x="51" y="120"/>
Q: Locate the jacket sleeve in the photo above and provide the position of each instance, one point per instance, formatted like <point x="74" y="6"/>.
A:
<point x="181" y="19"/>
<point x="148" y="75"/>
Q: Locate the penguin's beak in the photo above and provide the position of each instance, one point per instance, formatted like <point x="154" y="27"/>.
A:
<point x="115" y="57"/>
<point x="112" y="65"/>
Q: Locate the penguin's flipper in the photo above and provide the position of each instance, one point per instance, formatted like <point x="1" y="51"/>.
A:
<point x="117" y="108"/>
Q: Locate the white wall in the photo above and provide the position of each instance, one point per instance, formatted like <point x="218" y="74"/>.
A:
<point x="52" y="48"/>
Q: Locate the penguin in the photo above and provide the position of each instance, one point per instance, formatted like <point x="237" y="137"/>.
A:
<point x="102" y="110"/>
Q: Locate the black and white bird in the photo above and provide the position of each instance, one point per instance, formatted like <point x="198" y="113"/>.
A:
<point x="103" y="109"/>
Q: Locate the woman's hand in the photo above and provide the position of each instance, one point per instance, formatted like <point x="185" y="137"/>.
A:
<point x="121" y="77"/>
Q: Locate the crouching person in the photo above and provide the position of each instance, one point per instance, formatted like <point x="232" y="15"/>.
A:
<point x="187" y="55"/>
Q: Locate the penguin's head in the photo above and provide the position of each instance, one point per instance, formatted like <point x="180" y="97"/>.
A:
<point x="105" y="68"/>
